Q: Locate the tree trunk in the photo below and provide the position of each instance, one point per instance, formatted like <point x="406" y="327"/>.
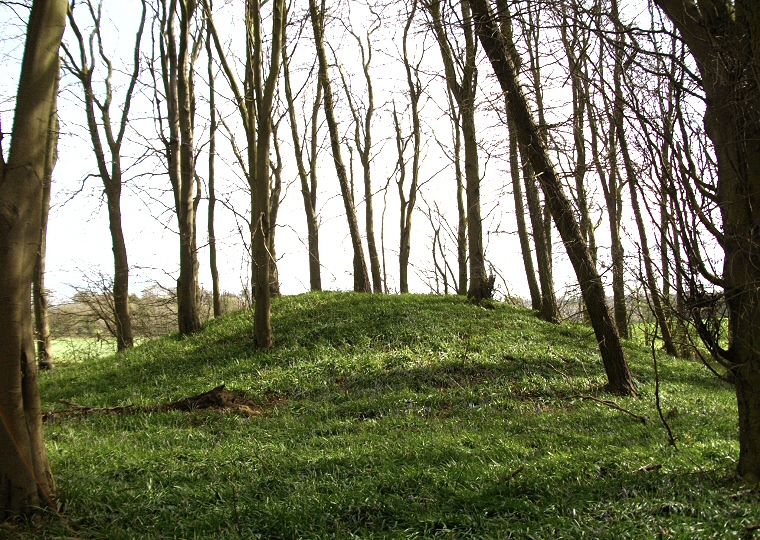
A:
<point x="110" y="176"/>
<point x="651" y="281"/>
<point x="728" y="57"/>
<point x="619" y="377"/>
<point x="522" y="229"/>
<point x="464" y="93"/>
<point x="361" y="276"/>
<point x="262" y="210"/>
<point x="505" y="21"/>
<point x="215" y="291"/>
<point x="39" y="293"/>
<point x="308" y="178"/>
<point x="26" y="482"/>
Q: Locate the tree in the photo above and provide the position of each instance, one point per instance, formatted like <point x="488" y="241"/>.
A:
<point x="363" y="144"/>
<point x="722" y="36"/>
<point x="255" y="105"/>
<point x="211" y="180"/>
<point x="540" y="225"/>
<point x="308" y="177"/>
<point x="39" y="292"/>
<point x="26" y="481"/>
<point x="177" y="55"/>
<point x="109" y="165"/>
<point x="619" y="377"/>
<point x="463" y="87"/>
<point x="361" y="276"/>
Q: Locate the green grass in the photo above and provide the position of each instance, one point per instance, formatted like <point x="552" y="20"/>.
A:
<point x="392" y="417"/>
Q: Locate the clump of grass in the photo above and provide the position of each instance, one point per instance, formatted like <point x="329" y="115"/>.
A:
<point x="394" y="417"/>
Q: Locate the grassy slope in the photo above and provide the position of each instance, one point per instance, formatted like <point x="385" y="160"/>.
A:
<point x="394" y="417"/>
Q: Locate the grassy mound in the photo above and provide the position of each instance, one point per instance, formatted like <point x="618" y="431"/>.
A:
<point x="392" y="417"/>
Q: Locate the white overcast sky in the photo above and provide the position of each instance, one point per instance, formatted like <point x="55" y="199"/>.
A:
<point x="78" y="236"/>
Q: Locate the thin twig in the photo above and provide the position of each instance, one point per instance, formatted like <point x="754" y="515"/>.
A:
<point x="613" y="405"/>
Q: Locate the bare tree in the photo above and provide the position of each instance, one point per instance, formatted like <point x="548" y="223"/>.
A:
<point x="178" y="49"/>
<point x="363" y="144"/>
<point x="108" y="156"/>
<point x="361" y="276"/>
<point x="461" y="77"/>
<point x="211" y="180"/>
<point x="720" y="39"/>
<point x="26" y="481"/>
<point x="619" y="376"/>
<point x="308" y="177"/>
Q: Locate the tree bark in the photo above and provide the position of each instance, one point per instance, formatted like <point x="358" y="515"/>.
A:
<point x="111" y="176"/>
<point x="308" y="178"/>
<point x="215" y="291"/>
<point x="361" y="276"/>
<point x="723" y="41"/>
<point x="464" y="93"/>
<point x="363" y="144"/>
<point x="26" y="481"/>
<point x="39" y="293"/>
<point x="177" y="79"/>
<point x="262" y="217"/>
<point x="619" y="377"/>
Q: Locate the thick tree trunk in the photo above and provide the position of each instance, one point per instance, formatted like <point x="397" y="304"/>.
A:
<point x="619" y="377"/>
<point x="724" y="43"/>
<point x="26" y="482"/>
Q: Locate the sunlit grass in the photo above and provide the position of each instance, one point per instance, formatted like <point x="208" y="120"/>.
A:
<point x="394" y="417"/>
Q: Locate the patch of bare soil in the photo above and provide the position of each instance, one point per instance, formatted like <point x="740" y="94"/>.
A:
<point x="219" y="398"/>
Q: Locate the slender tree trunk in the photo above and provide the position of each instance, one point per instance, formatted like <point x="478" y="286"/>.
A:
<point x="179" y="153"/>
<point x="654" y="293"/>
<point x="39" y="293"/>
<point x="215" y="291"/>
<point x="522" y="229"/>
<point x="613" y="192"/>
<point x="619" y="377"/>
<point x="505" y="21"/>
<point x="361" y="276"/>
<point x="262" y="216"/>
<point x="541" y="227"/>
<point x="98" y="112"/>
<point x="464" y="93"/>
<point x="26" y="481"/>
<point x="461" y="212"/>
<point x="308" y="178"/>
